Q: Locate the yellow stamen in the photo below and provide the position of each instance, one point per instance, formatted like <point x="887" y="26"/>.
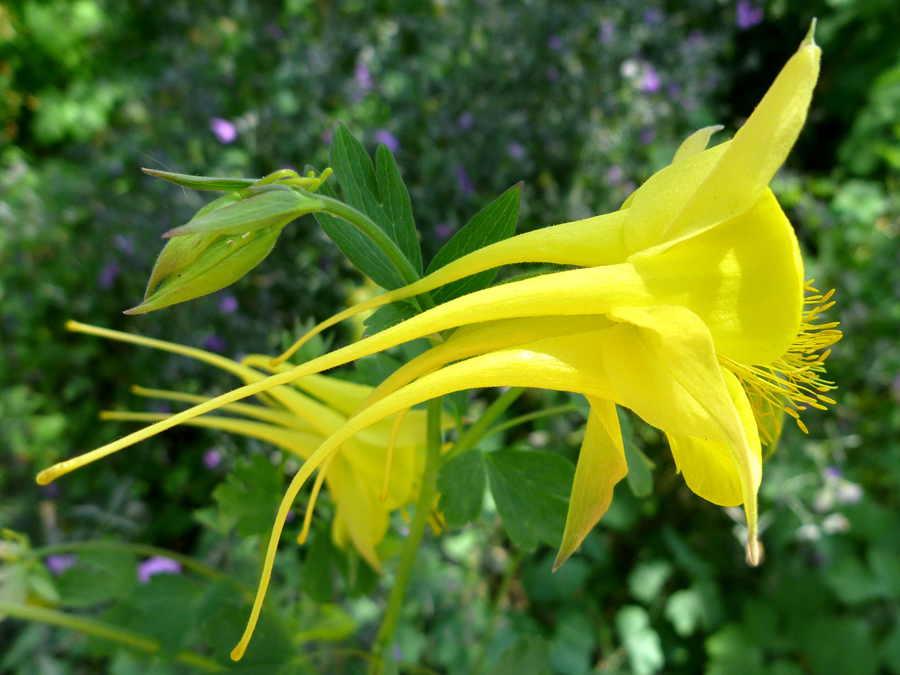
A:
<point x="794" y="382"/>
<point x="395" y="431"/>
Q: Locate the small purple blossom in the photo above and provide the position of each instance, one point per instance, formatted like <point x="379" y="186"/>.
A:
<point x="124" y="244"/>
<point x="673" y="89"/>
<point x="363" y="76"/>
<point x="647" y="136"/>
<point x="833" y="472"/>
<point x="212" y="458"/>
<point x="465" y="183"/>
<point x="57" y="564"/>
<point x="652" y="16"/>
<point x="515" y="150"/>
<point x="614" y="173"/>
<point x="386" y="137"/>
<point x="555" y="42"/>
<point x="607" y="31"/>
<point x="157" y="565"/>
<point x="552" y="74"/>
<point x="228" y="305"/>
<point x="326" y="136"/>
<point x="650" y="82"/>
<point x="224" y="130"/>
<point x="748" y="15"/>
<point x="290" y="516"/>
<point x="466" y="120"/>
<point x="108" y="276"/>
<point x="214" y="343"/>
<point x="443" y="230"/>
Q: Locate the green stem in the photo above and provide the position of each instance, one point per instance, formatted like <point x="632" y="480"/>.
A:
<point x="383" y="655"/>
<point x="476" y="432"/>
<point x="101" y="630"/>
<point x="512" y="567"/>
<point x="378" y="236"/>
<point x="521" y="419"/>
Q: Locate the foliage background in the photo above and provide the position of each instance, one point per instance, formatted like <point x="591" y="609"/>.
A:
<point x="582" y="102"/>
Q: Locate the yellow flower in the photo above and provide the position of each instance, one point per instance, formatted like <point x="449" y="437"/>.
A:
<point x="375" y="472"/>
<point x="687" y="307"/>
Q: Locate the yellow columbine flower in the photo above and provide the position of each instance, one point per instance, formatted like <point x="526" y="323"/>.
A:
<point x="687" y="308"/>
<point x="376" y="472"/>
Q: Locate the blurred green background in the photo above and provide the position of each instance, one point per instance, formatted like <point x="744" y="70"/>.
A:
<point x="582" y="101"/>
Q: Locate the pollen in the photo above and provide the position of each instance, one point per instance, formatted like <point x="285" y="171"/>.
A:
<point x="795" y="382"/>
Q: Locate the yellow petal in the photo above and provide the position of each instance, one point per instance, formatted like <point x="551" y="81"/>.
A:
<point x="744" y="279"/>
<point x="744" y="170"/>
<point x="696" y="142"/>
<point x="601" y="464"/>
<point x="482" y="338"/>
<point x="663" y="364"/>
<point x="594" y="241"/>
<point x="363" y="516"/>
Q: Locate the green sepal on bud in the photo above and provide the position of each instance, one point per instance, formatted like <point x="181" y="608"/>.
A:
<point x="225" y="240"/>
<point x="267" y="206"/>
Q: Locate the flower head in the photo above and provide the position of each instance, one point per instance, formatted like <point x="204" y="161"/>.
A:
<point x="688" y="306"/>
<point x="157" y="565"/>
<point x="374" y="473"/>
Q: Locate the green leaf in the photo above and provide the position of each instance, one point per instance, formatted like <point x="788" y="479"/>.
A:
<point x="318" y="578"/>
<point x="387" y="316"/>
<point x="531" y="490"/>
<point x="495" y="222"/>
<point x="375" y="369"/>
<point x="528" y="655"/>
<point x="271" y="208"/>
<point x="461" y="484"/>
<point x="378" y="192"/>
<point x="640" y="467"/>
<point x="98" y="576"/>
<point x="640" y="640"/>
<point x="250" y="495"/>
<point x="359" y="249"/>
<point x="840" y="645"/>
<point x="647" y="579"/>
<point x="203" y="182"/>
<point x="166" y="609"/>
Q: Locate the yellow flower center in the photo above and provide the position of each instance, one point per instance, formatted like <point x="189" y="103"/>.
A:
<point x="795" y="381"/>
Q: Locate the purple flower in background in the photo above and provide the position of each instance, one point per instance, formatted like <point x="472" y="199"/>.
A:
<point x="614" y="174"/>
<point x="443" y="230"/>
<point x="652" y="16"/>
<point x="212" y="458"/>
<point x="363" y="76"/>
<point x="673" y="89"/>
<point x="465" y="183"/>
<point x="552" y="74"/>
<point x="57" y="564"/>
<point x="157" y="565"/>
<point x="833" y="472"/>
<point x="607" y="30"/>
<point x="647" y="136"/>
<point x="326" y="136"/>
<point x="108" y="276"/>
<point x="748" y="15"/>
<point x="555" y="42"/>
<point x="228" y="305"/>
<point x="213" y="343"/>
<point x="124" y="244"/>
<point x="650" y="82"/>
<point x="466" y="120"/>
<point x="224" y="130"/>
<point x="516" y="151"/>
<point x="386" y="137"/>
